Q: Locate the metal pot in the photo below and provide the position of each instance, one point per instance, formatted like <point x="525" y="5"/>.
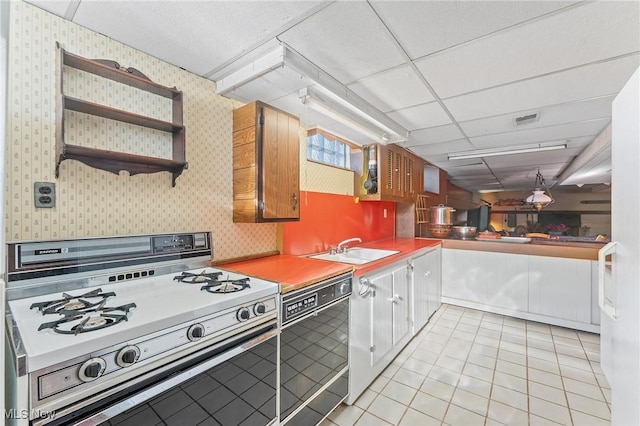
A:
<point x="464" y="232"/>
<point x="441" y="214"/>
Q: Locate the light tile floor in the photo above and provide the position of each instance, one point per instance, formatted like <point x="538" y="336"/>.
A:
<point x="468" y="367"/>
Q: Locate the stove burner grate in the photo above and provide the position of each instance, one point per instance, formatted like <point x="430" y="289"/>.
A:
<point x="226" y="286"/>
<point x="69" y="302"/>
<point x="72" y="323"/>
<point x="202" y="277"/>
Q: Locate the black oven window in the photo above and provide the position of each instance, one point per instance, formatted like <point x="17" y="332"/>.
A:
<point x="241" y="391"/>
<point x="313" y="351"/>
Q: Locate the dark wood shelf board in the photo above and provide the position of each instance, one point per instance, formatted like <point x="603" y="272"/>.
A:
<point x="91" y="108"/>
<point x="118" y="75"/>
<point x="114" y="162"/>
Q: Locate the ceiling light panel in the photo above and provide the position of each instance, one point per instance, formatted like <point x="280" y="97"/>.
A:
<point x="601" y="79"/>
<point x="513" y="150"/>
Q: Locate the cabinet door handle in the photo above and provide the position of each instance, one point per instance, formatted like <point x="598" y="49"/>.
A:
<point x="295" y="201"/>
<point x="607" y="308"/>
<point x="365" y="287"/>
<point x="394" y="299"/>
<point x="427" y="274"/>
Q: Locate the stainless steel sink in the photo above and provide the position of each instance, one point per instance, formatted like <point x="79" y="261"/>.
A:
<point x="356" y="255"/>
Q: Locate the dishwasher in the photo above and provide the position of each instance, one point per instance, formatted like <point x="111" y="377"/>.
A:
<point x="314" y="350"/>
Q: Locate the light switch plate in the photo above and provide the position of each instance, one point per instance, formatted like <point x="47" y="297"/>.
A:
<point x="44" y="194"/>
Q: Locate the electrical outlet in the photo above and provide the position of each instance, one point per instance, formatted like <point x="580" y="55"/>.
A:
<point x="44" y="194"/>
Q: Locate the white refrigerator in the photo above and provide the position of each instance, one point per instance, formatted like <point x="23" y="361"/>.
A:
<point x="619" y="262"/>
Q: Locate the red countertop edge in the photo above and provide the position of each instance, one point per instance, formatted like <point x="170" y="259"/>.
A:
<point x="296" y="272"/>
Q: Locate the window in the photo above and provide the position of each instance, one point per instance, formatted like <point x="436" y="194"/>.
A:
<point x="323" y="147"/>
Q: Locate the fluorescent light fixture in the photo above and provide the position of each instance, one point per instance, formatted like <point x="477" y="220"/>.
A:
<point x="367" y="112"/>
<point x="256" y="64"/>
<point x="497" y="152"/>
<point x="328" y="112"/>
<point x="342" y="115"/>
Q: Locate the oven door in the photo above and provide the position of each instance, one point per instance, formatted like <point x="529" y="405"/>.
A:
<point x="233" y="384"/>
<point x="314" y="353"/>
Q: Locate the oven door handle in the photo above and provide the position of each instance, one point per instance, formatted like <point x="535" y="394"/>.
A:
<point x="170" y="382"/>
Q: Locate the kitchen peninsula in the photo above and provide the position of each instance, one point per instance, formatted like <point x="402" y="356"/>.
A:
<point x="553" y="282"/>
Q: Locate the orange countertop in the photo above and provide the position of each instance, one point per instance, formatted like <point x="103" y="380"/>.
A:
<point x="537" y="247"/>
<point x="296" y="272"/>
<point x="292" y="272"/>
<point x="406" y="246"/>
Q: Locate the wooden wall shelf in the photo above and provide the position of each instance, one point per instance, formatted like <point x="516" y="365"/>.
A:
<point x="114" y="161"/>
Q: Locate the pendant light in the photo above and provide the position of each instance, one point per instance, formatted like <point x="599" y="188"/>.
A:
<point x="539" y="199"/>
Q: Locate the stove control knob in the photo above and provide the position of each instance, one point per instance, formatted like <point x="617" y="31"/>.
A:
<point x="259" y="308"/>
<point x="344" y="288"/>
<point x="92" y="369"/>
<point x="127" y="356"/>
<point x="243" y="314"/>
<point x="195" y="332"/>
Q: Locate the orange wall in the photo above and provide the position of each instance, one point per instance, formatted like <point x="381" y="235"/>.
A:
<point x="327" y="219"/>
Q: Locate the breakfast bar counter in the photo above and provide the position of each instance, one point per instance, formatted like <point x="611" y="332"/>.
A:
<point x="537" y="247"/>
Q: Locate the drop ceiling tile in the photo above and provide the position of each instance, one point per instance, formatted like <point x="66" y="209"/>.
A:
<point x="537" y="158"/>
<point x="424" y="27"/>
<point x="393" y="89"/>
<point x="590" y="32"/>
<point x="547" y="116"/>
<point x="196" y="35"/>
<point x="586" y="82"/>
<point x="258" y="89"/>
<point x="433" y="135"/>
<point x="469" y="170"/>
<point x="559" y="133"/>
<point x="347" y="40"/>
<point x="421" y="116"/>
<point x="59" y="7"/>
<point x="448" y="147"/>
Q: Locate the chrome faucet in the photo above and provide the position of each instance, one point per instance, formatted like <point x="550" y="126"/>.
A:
<point x="341" y="245"/>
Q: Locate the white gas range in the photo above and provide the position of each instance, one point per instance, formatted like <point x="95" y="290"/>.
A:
<point x="103" y="326"/>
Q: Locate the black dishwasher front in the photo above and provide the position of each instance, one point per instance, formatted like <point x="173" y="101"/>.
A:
<point x="314" y="351"/>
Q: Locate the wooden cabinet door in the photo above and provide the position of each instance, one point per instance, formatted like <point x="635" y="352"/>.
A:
<point x="280" y="163"/>
<point x="408" y="172"/>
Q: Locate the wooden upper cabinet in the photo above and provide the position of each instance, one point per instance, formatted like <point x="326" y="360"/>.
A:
<point x="266" y="164"/>
<point x="399" y="175"/>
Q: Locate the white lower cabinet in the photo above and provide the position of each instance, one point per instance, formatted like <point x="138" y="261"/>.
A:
<point x="426" y="290"/>
<point x="383" y="315"/>
<point x="560" y="288"/>
<point x="546" y="289"/>
<point x="493" y="279"/>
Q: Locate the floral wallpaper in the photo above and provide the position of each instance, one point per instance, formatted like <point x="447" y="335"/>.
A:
<point x="92" y="202"/>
